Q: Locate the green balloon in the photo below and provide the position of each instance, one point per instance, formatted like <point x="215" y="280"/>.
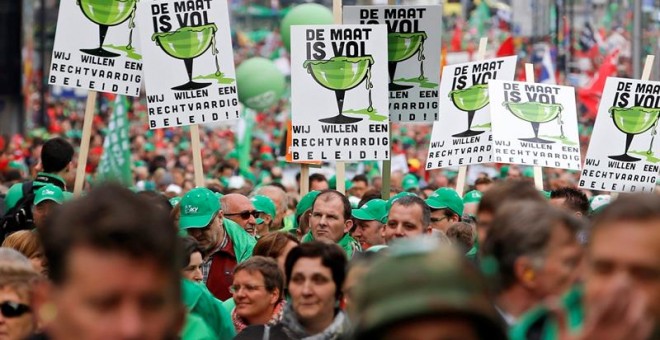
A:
<point x="260" y="83"/>
<point x="306" y="14"/>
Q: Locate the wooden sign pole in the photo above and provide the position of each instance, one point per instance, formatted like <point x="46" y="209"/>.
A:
<point x="90" y="107"/>
<point x="462" y="170"/>
<point x="197" y="156"/>
<point x="538" y="171"/>
<point x="340" y="166"/>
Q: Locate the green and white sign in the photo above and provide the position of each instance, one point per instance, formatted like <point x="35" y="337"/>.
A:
<point x="413" y="38"/>
<point x="534" y="124"/>
<point x="462" y="135"/>
<point x="189" y="62"/>
<point x="339" y="93"/>
<point x="623" y="155"/>
<point x="115" y="164"/>
<point x="96" y="47"/>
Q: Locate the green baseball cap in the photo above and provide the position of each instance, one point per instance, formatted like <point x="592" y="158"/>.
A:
<point x="545" y="194"/>
<point x="264" y="204"/>
<point x="233" y="154"/>
<point x="259" y="220"/>
<point x="198" y="207"/>
<point x="304" y="205"/>
<point x="175" y="200"/>
<point x="446" y="198"/>
<point x="373" y="210"/>
<point x="598" y="203"/>
<point x="473" y="196"/>
<point x="409" y="181"/>
<point x="267" y="157"/>
<point x="49" y="192"/>
<point x="332" y="183"/>
<point x="418" y="283"/>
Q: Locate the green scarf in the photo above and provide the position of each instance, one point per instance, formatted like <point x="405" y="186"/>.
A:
<point x="349" y="244"/>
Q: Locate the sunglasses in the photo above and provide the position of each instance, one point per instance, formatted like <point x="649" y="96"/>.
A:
<point x="245" y="214"/>
<point x="11" y="309"/>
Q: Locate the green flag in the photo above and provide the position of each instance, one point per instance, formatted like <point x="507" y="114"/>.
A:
<point x="244" y="138"/>
<point x="115" y="164"/>
<point x="480" y="17"/>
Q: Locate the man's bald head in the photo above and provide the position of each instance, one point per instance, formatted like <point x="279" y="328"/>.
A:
<point x="239" y="209"/>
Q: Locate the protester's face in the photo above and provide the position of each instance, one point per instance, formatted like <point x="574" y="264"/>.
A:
<point x="353" y="278"/>
<point x="193" y="271"/>
<point x="312" y="290"/>
<point x="484" y="220"/>
<point x="41" y="211"/>
<point x="440" y="221"/>
<point x="625" y="256"/>
<point x="327" y="220"/>
<point x="263" y="228"/>
<point x="358" y="188"/>
<point x="236" y="211"/>
<point x="558" y="272"/>
<point x="404" y="221"/>
<point x="369" y="233"/>
<point x="431" y="329"/>
<point x="470" y="209"/>
<point x="39" y="264"/>
<point x="210" y="236"/>
<point x="318" y="185"/>
<point x="253" y="302"/>
<point x="108" y="295"/>
<point x="18" y="327"/>
<point x="282" y="258"/>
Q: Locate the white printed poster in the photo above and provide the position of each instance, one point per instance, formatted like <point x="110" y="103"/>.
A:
<point x="188" y="62"/>
<point x="96" y="47"/>
<point x="339" y="93"/>
<point x="462" y="135"/>
<point x="623" y="155"/>
<point x="534" y="124"/>
<point x="414" y="35"/>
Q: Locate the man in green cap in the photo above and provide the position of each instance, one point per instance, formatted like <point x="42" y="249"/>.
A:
<point x="279" y="197"/>
<point x="223" y="242"/>
<point x="266" y="209"/>
<point x="471" y="202"/>
<point x="54" y="164"/>
<point x="331" y="220"/>
<point x="422" y="290"/>
<point x="301" y="221"/>
<point x="46" y="199"/>
<point x="370" y="218"/>
<point x="446" y="208"/>
<point x="410" y="183"/>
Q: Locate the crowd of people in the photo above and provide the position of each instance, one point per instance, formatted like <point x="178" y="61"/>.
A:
<point x="504" y="261"/>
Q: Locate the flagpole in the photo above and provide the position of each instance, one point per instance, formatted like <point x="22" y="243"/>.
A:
<point x="90" y="107"/>
<point x="197" y="155"/>
<point x="340" y="166"/>
<point x="462" y="170"/>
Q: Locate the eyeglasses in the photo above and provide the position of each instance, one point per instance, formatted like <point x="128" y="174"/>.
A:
<point x="11" y="309"/>
<point x="245" y="214"/>
<point x="436" y="220"/>
<point x="249" y="288"/>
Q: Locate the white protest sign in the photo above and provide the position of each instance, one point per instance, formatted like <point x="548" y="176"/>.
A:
<point x="339" y="93"/>
<point x="414" y="37"/>
<point x="623" y="153"/>
<point x="534" y="124"/>
<point x="189" y="62"/>
<point x="96" y="47"/>
<point x="462" y="135"/>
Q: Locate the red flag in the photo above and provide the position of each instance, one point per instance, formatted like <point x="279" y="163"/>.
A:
<point x="589" y="95"/>
<point x="456" y="40"/>
<point x="507" y="48"/>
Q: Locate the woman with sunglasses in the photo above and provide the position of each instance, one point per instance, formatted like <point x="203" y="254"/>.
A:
<point x="17" y="320"/>
<point x="258" y="293"/>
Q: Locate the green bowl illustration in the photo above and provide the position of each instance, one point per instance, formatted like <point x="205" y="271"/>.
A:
<point x="186" y="42"/>
<point x="534" y="112"/>
<point x="107" y="12"/>
<point x="401" y="46"/>
<point x="339" y="73"/>
<point x="472" y="98"/>
<point x="634" y="120"/>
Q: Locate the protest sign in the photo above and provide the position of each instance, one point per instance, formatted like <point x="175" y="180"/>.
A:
<point x="462" y="136"/>
<point x="188" y="62"/>
<point x="346" y="117"/>
<point x="95" y="48"/>
<point x="414" y="37"/>
<point x="534" y="124"/>
<point x="623" y="153"/>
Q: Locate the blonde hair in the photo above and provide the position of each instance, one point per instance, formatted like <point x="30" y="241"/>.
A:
<point x="19" y="278"/>
<point x="26" y="242"/>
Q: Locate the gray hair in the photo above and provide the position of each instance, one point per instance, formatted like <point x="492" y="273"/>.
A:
<point x="274" y="192"/>
<point x="10" y="256"/>
<point x="410" y="200"/>
<point x="524" y="228"/>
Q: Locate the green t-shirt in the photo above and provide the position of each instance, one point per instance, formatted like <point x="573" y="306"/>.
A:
<point x="202" y="303"/>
